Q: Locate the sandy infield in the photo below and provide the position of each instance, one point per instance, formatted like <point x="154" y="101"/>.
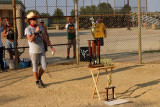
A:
<point x="71" y="85"/>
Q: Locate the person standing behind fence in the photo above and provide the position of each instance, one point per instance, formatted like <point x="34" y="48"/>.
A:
<point x="45" y="30"/>
<point x="35" y="35"/>
<point x="1" y="48"/>
<point x="100" y="31"/>
<point x="70" y="27"/>
<point x="9" y="34"/>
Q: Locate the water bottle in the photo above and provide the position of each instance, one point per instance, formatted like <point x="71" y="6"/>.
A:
<point x="5" y="66"/>
<point x="53" y="52"/>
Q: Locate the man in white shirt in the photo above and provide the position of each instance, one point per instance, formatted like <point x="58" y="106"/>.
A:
<point x="35" y="35"/>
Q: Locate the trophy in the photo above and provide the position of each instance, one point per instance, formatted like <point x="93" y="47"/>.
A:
<point x="94" y="58"/>
<point x="93" y="27"/>
<point x="93" y="49"/>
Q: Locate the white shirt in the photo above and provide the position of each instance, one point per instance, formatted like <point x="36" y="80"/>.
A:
<point x="1" y="30"/>
<point x="37" y="46"/>
<point x="66" y="26"/>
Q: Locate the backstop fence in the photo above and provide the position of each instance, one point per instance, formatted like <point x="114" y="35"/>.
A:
<point x="119" y="16"/>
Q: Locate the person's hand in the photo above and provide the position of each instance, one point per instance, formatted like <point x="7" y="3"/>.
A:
<point x="37" y="29"/>
<point x="7" y="33"/>
<point x="53" y="50"/>
<point x="105" y="35"/>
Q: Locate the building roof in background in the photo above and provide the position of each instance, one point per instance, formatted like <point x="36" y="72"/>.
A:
<point x="10" y="2"/>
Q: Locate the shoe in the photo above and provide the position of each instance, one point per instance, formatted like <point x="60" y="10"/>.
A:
<point x="39" y="85"/>
<point x="67" y="58"/>
<point x="41" y="82"/>
<point x="4" y="70"/>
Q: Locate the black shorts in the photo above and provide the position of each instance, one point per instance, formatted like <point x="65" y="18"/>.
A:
<point x="101" y="41"/>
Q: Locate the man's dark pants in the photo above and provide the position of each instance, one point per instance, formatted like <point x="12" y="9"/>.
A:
<point x="1" y="58"/>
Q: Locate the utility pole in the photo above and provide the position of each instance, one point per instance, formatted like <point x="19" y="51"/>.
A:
<point x="114" y="7"/>
<point x="76" y="27"/>
<point x="56" y="4"/>
<point x="24" y="2"/>
<point x="66" y="7"/>
<point x="146" y="6"/>
<point x="47" y="7"/>
<point x="15" y="33"/>
<point x="83" y="3"/>
<point x="139" y="28"/>
<point x="128" y="15"/>
<point x="35" y="4"/>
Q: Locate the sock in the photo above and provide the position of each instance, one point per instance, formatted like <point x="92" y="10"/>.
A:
<point x="67" y="54"/>
<point x="39" y="77"/>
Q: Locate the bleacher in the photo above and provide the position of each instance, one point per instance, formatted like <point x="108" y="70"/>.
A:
<point x="149" y="20"/>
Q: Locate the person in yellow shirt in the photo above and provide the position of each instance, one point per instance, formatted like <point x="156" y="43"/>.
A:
<point x="100" y="31"/>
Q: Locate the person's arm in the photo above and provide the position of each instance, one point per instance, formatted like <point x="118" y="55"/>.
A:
<point x="105" y="33"/>
<point x="46" y="39"/>
<point x="45" y="30"/>
<point x="5" y="33"/>
<point x="33" y="36"/>
<point x="2" y="22"/>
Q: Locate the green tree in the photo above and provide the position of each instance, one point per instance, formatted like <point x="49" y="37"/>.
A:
<point x="58" y="13"/>
<point x="104" y="8"/>
<point x="73" y="12"/>
<point x="125" y="9"/>
<point x="82" y="11"/>
<point x="44" y="14"/>
<point x="35" y="11"/>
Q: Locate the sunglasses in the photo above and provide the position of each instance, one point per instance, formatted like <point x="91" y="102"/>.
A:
<point x="33" y="19"/>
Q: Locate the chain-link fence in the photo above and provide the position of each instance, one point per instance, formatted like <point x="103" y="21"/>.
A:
<point x="119" y="16"/>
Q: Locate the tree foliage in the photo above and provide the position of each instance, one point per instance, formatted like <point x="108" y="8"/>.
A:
<point x="104" y="8"/>
<point x="44" y="14"/>
<point x="59" y="15"/>
<point x="125" y="9"/>
<point x="72" y="12"/>
<point x="35" y="11"/>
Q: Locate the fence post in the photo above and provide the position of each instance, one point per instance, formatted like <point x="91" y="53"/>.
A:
<point x="15" y="32"/>
<point x="77" y="36"/>
<point x="139" y="27"/>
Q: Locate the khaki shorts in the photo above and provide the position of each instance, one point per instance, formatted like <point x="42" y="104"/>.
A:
<point x="71" y="42"/>
<point x="35" y="57"/>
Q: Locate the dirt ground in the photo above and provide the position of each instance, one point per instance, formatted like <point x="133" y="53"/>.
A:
<point x="71" y="85"/>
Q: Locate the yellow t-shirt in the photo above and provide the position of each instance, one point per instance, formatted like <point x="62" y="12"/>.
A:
<point x="99" y="32"/>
